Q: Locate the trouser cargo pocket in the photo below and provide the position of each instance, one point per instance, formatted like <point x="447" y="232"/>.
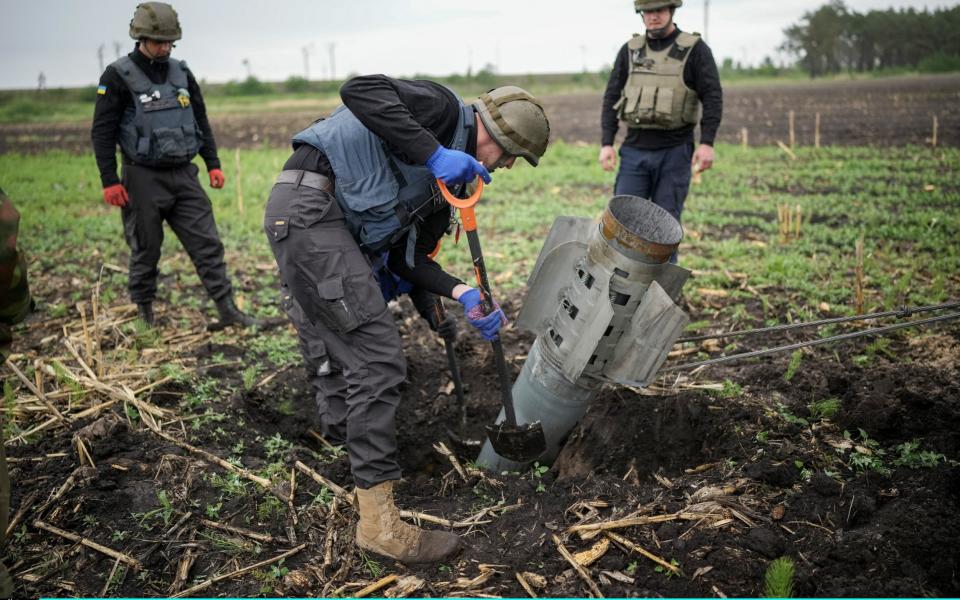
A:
<point x="339" y="307"/>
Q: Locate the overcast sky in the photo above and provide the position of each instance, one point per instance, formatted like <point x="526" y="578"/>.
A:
<point x="396" y="37"/>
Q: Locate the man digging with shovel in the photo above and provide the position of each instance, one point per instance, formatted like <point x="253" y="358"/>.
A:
<point x="360" y="184"/>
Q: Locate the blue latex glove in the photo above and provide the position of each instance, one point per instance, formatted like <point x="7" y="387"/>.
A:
<point x="391" y="286"/>
<point x="454" y="167"/>
<point x="487" y="325"/>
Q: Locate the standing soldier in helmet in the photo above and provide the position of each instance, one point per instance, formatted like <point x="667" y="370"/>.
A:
<point x="151" y="105"/>
<point x="359" y="189"/>
<point x="662" y="84"/>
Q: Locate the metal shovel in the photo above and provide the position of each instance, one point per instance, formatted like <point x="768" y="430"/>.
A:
<point x="452" y="363"/>
<point x="521" y="443"/>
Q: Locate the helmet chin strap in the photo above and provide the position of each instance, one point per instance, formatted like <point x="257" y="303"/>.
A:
<point x="146" y="51"/>
<point x="660" y="32"/>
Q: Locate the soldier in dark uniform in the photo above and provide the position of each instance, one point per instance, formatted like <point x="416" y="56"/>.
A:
<point x="150" y="104"/>
<point x="326" y="377"/>
<point x="361" y="184"/>
<point x="662" y="84"/>
<point x="15" y="304"/>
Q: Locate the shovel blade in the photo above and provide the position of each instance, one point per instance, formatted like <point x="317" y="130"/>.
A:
<point x="522" y="443"/>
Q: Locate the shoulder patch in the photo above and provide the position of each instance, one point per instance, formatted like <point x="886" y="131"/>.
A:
<point x="101" y="90"/>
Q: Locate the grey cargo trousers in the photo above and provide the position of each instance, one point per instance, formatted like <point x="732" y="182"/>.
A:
<point x="174" y="195"/>
<point x="326" y="377"/>
<point x="350" y="325"/>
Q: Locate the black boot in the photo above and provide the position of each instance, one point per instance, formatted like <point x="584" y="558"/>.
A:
<point x="145" y="310"/>
<point x="230" y="315"/>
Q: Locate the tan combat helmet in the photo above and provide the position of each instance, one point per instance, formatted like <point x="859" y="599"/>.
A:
<point x="155" y="21"/>
<point x="642" y="5"/>
<point x="515" y="119"/>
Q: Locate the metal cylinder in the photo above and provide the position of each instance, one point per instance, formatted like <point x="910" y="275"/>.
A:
<point x="541" y="393"/>
<point x="593" y="295"/>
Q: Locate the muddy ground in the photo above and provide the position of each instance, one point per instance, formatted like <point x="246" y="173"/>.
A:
<point x="735" y="474"/>
<point x="882" y="112"/>
<point x="730" y="467"/>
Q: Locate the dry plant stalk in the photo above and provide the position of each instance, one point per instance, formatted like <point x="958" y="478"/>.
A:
<point x="95" y="309"/>
<point x="442" y="449"/>
<point x="786" y="150"/>
<point x="237" y="181"/>
<point x="330" y="534"/>
<point x="109" y="579"/>
<point x="582" y="572"/>
<point x="336" y="489"/>
<point x="209" y="457"/>
<point x="588" y="557"/>
<point x="129" y="560"/>
<point x="260" y="537"/>
<point x="793" y="131"/>
<point x="744" y="137"/>
<point x="36" y="392"/>
<point x="634" y="547"/>
<point x="183" y="567"/>
<point x="936" y="131"/>
<point x="87" y="341"/>
<point x="789" y="222"/>
<point x="621" y="523"/>
<point x="83" y="453"/>
<point x="465" y="583"/>
<point x="218" y="578"/>
<point x="816" y="131"/>
<point x="858" y="281"/>
<point x="525" y="585"/>
<point x="80" y="415"/>
<point x="376" y="586"/>
<point x="24" y="507"/>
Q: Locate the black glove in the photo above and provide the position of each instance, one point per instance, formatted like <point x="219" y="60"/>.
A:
<point x="447" y="329"/>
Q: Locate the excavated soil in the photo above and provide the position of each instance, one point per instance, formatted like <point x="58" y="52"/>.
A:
<point x="787" y="484"/>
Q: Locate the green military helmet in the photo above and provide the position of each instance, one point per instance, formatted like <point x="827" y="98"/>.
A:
<point x="155" y="21"/>
<point x="515" y="119"/>
<point x="642" y="5"/>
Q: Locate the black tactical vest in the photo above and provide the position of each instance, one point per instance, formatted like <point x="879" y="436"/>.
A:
<point x="160" y="129"/>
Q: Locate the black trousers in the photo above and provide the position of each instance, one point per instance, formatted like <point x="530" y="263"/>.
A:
<point x="175" y="196"/>
<point x="349" y="325"/>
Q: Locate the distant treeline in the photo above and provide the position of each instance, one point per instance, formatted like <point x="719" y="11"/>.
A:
<point x="834" y="39"/>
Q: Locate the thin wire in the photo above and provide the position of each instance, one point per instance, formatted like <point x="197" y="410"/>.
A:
<point x="827" y="340"/>
<point x="902" y="313"/>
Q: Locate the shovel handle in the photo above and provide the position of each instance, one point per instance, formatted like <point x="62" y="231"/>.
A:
<point x="467" y="216"/>
<point x="469" y="220"/>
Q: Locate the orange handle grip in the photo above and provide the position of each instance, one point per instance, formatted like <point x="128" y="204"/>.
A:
<point x="461" y="203"/>
<point x="467" y="216"/>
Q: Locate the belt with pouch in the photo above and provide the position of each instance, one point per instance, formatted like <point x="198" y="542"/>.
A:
<point x="310" y="179"/>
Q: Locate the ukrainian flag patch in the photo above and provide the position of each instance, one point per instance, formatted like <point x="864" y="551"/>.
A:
<point x="101" y="90"/>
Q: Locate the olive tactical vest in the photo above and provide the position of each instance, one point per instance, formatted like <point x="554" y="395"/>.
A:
<point x="655" y="95"/>
<point x="160" y="129"/>
<point x="381" y="196"/>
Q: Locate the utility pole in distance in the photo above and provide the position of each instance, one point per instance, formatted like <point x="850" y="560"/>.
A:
<point x="706" y="17"/>
<point x="331" y="49"/>
<point x="306" y="62"/>
<point x="100" y="57"/>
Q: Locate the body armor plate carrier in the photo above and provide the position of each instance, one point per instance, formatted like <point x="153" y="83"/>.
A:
<point x="160" y="129"/>
<point x="655" y="95"/>
<point x="381" y="196"/>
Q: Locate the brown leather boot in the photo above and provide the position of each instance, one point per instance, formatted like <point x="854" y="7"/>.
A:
<point x="380" y="530"/>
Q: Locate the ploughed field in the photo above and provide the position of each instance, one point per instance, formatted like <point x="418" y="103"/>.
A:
<point x="186" y="461"/>
<point x="886" y="112"/>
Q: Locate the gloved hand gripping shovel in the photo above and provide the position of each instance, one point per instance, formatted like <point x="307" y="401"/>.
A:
<point x="520" y="443"/>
